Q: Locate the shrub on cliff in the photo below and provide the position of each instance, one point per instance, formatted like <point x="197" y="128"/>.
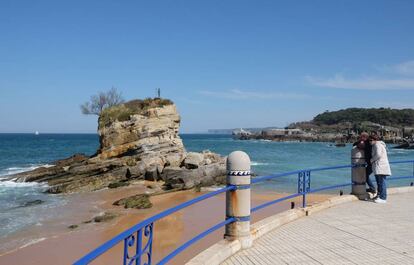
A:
<point x="138" y="105"/>
<point x="122" y="112"/>
<point x="101" y="101"/>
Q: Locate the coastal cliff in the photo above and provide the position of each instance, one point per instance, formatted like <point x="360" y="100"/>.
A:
<point x="138" y="141"/>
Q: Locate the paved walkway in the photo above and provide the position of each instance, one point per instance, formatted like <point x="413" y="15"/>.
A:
<point x="351" y="233"/>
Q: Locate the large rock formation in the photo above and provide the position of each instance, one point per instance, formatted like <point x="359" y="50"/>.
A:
<point x="138" y="140"/>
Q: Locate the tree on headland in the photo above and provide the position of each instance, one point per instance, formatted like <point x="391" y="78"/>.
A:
<point x="383" y="116"/>
<point x="101" y="101"/>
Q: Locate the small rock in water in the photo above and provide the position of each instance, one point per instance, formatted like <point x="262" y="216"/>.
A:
<point x="104" y="218"/>
<point x="73" y="226"/>
<point x="140" y="201"/>
<point x="31" y="203"/>
<point x="115" y="185"/>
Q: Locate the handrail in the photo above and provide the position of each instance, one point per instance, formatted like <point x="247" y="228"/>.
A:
<point x="254" y="209"/>
<point x="330" y="187"/>
<point x="403" y="177"/>
<point x="112" y="242"/>
<point x="134" y="235"/>
<point x="195" y="239"/>
<point x="402" y="162"/>
<point x="263" y="178"/>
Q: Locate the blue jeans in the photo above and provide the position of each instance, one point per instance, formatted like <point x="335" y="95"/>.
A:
<point x="370" y="184"/>
<point x="382" y="186"/>
<point x="368" y="171"/>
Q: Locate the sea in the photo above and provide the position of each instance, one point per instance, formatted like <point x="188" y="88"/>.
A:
<point x="23" y="152"/>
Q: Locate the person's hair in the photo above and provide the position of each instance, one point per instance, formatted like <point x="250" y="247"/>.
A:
<point x="363" y="136"/>
<point x="373" y="137"/>
<point x="361" y="145"/>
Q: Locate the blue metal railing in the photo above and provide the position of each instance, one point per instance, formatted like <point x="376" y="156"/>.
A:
<point x="129" y="236"/>
<point x="142" y="233"/>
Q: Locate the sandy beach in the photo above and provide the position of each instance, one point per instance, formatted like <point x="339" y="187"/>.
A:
<point x="55" y="243"/>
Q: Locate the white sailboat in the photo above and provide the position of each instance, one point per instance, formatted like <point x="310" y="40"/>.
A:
<point x="36" y="133"/>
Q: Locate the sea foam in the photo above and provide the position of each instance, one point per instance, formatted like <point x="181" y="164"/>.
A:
<point x="13" y="184"/>
<point x="16" y="170"/>
<point x="254" y="163"/>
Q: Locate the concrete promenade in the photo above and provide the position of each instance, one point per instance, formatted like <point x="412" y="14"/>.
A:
<point x="358" y="232"/>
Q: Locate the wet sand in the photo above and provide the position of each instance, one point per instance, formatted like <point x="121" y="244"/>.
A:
<point x="61" y="245"/>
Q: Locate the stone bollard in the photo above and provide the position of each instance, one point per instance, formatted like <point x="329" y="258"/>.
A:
<point x="358" y="174"/>
<point x="238" y="201"/>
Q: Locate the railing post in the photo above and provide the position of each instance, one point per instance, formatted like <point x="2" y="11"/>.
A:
<point x="304" y="182"/>
<point x="238" y="200"/>
<point x="412" y="183"/>
<point x="304" y="190"/>
<point x="358" y="173"/>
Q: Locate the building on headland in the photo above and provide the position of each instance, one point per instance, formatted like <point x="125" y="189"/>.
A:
<point x="387" y="133"/>
<point x="338" y="133"/>
<point x="408" y="132"/>
<point x="241" y="134"/>
<point x="281" y="132"/>
<point x="345" y="132"/>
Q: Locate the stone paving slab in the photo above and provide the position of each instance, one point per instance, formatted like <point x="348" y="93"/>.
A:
<point x="358" y="232"/>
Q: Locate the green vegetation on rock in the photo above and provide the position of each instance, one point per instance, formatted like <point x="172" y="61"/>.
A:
<point x="383" y="116"/>
<point x="115" y="185"/>
<point x="122" y="112"/>
<point x="140" y="201"/>
<point x="104" y="218"/>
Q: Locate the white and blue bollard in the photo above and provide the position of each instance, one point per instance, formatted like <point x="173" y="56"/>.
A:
<point x="238" y="200"/>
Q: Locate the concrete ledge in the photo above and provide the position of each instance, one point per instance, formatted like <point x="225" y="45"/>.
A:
<point x="217" y="253"/>
<point x="224" y="249"/>
<point x="329" y="203"/>
<point x="398" y="190"/>
<point x="268" y="224"/>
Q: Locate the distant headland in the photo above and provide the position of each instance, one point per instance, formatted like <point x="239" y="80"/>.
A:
<point x="342" y="126"/>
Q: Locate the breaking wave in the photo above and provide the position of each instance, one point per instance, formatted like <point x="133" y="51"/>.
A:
<point x="16" y="170"/>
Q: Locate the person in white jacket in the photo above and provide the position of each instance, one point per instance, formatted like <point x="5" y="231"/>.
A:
<point x="380" y="167"/>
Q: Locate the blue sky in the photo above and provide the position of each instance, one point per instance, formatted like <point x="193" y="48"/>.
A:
<point x="225" y="63"/>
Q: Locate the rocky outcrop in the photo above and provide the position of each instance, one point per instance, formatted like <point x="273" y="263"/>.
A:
<point x="140" y="201"/>
<point x="105" y="217"/>
<point x="204" y="169"/>
<point x="138" y="140"/>
<point x="154" y="131"/>
<point x="193" y="160"/>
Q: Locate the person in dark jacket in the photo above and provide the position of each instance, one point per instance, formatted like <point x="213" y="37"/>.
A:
<point x="363" y="143"/>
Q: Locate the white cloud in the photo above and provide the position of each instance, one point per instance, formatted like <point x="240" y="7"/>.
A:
<point x="365" y="83"/>
<point x="404" y="68"/>
<point x="243" y="94"/>
<point x="388" y="77"/>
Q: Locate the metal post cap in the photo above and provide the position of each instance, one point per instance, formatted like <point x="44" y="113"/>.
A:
<point x="238" y="160"/>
